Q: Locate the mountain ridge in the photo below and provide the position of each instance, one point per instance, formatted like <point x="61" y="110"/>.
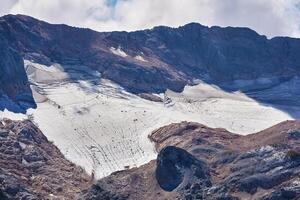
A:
<point x="27" y="17"/>
<point x="157" y="59"/>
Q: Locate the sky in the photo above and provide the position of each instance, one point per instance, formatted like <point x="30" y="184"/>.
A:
<point x="267" y="17"/>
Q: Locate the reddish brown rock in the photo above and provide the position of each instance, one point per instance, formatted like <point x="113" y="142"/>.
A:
<point x="264" y="165"/>
<point x="31" y="167"/>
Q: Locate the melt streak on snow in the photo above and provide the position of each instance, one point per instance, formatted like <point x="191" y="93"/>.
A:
<point x="101" y="127"/>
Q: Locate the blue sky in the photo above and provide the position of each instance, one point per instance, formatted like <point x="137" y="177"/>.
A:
<point x="268" y="17"/>
<point x="111" y="2"/>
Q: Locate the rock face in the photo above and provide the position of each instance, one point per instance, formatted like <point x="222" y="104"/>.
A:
<point x="33" y="168"/>
<point x="13" y="79"/>
<point x="197" y="162"/>
<point x="173" y="164"/>
<point x="150" y="60"/>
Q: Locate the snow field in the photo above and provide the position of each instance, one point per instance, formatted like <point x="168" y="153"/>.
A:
<point x="102" y="128"/>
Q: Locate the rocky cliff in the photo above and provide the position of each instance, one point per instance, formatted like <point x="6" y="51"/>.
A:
<point x="14" y="86"/>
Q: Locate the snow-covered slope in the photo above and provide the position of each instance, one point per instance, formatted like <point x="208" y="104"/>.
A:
<point x="101" y="127"/>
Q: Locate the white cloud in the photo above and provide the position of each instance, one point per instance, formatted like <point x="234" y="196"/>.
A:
<point x="270" y="17"/>
<point x="6" y="5"/>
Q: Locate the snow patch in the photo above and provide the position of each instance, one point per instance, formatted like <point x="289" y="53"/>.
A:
<point x="140" y="58"/>
<point x="44" y="74"/>
<point x="118" y="52"/>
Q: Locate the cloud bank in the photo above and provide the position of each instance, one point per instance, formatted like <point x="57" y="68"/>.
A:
<point x="268" y="17"/>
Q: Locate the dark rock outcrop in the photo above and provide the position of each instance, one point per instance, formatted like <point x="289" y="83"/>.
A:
<point x="173" y="164"/>
<point x="14" y="84"/>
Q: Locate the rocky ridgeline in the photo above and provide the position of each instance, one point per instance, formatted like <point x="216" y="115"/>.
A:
<point x="146" y="61"/>
<point x="197" y="162"/>
<point x="31" y="167"/>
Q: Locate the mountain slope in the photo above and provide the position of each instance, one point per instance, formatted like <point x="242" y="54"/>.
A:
<point x="157" y="59"/>
<point x="86" y="88"/>
<point x="13" y="79"/>
<point x="206" y="163"/>
<point x="89" y="84"/>
<point x="103" y="128"/>
<point x="31" y="167"/>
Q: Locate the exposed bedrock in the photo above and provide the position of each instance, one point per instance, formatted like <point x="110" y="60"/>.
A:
<point x="150" y="61"/>
<point x="174" y="165"/>
<point x="31" y="167"/>
<point x="197" y="162"/>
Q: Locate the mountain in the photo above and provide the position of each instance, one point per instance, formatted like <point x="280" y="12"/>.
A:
<point x="198" y="162"/>
<point x="194" y="162"/>
<point x="98" y="95"/>
<point x="31" y="167"/>
<point x="148" y="61"/>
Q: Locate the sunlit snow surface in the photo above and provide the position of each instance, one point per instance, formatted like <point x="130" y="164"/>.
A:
<point x="101" y="127"/>
<point x="118" y="52"/>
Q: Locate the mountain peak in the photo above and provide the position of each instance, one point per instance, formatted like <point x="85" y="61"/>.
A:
<point x="12" y="17"/>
